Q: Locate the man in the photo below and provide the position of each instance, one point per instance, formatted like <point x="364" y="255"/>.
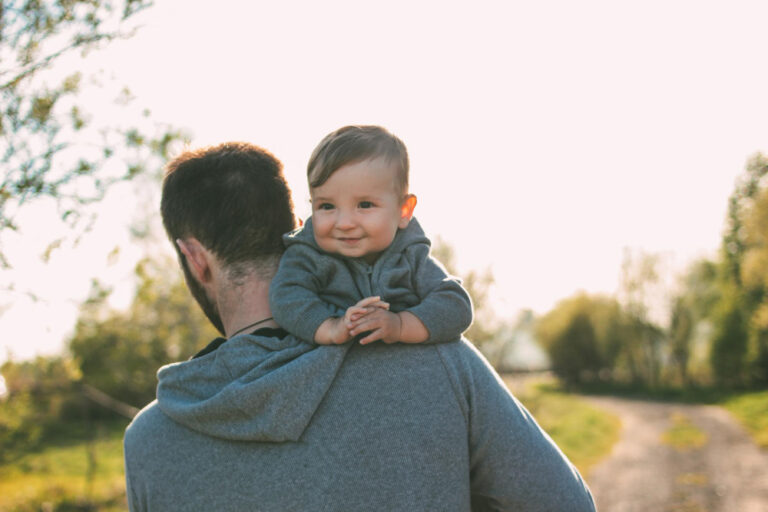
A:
<point x="260" y="420"/>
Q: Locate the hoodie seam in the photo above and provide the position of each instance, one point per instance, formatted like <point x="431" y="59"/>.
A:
<point x="454" y="385"/>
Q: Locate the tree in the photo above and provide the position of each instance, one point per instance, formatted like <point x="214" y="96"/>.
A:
<point x="51" y="144"/>
<point x="680" y="334"/>
<point x="485" y="326"/>
<point x="742" y="199"/>
<point x="754" y="275"/>
<point x="39" y="394"/>
<point x="641" y="296"/>
<point x="740" y="346"/>
<point x="729" y="343"/>
<point x="583" y="336"/>
<point x="119" y="352"/>
<point x="692" y="314"/>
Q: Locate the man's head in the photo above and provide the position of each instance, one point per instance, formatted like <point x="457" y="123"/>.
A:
<point x="352" y="144"/>
<point x="233" y="200"/>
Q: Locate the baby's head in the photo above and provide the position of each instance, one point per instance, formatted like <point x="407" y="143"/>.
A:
<point x="358" y="181"/>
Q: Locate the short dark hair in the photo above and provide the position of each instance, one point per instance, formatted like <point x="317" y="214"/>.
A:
<point x="234" y="199"/>
<point x="356" y="143"/>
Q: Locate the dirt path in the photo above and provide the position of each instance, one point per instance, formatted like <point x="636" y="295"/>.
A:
<point x="728" y="473"/>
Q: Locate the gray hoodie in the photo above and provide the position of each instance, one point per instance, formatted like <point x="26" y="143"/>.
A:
<point x="267" y="422"/>
<point x="312" y="285"/>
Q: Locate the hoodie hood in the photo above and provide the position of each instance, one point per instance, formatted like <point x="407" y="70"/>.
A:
<point x="254" y="388"/>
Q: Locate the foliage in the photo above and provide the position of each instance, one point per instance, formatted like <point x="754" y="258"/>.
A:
<point x="716" y="322"/>
<point x="39" y="393"/>
<point x="740" y="347"/>
<point x="729" y="343"/>
<point x="55" y="141"/>
<point x="485" y="326"/>
<point x="81" y="468"/>
<point x="692" y="311"/>
<point x="582" y="336"/>
<point x="680" y="335"/>
<point x="640" y="290"/>
<point x="119" y="352"/>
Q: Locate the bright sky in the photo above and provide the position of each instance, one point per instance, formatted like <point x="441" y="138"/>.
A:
<point x="545" y="137"/>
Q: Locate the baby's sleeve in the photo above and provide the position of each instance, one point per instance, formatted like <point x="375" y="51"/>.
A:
<point x="445" y="307"/>
<point x="294" y="294"/>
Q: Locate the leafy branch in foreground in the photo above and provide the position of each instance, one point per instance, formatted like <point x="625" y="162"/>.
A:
<point x="61" y="137"/>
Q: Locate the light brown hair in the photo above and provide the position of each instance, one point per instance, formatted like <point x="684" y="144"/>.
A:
<point x="356" y="143"/>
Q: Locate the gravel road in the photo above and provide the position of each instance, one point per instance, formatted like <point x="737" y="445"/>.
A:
<point x="727" y="473"/>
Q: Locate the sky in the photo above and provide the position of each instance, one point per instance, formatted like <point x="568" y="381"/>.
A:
<point x="545" y="138"/>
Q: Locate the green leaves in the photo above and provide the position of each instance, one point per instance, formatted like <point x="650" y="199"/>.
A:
<point x="54" y="142"/>
<point x="119" y="352"/>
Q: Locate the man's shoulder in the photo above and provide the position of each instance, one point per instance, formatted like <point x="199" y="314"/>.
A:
<point x="463" y="357"/>
<point x="470" y="372"/>
<point x="145" y="425"/>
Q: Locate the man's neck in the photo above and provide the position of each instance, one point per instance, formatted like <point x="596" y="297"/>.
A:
<point x="245" y="304"/>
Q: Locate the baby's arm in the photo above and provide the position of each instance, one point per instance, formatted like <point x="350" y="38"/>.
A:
<point x="294" y="293"/>
<point x="445" y="309"/>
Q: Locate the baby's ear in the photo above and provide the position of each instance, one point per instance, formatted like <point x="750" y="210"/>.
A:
<point x="406" y="210"/>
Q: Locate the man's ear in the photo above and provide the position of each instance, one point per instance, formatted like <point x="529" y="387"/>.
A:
<point x="406" y="210"/>
<point x="197" y="258"/>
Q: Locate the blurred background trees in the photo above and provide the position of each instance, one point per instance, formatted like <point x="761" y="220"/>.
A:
<point x="119" y="352"/>
<point x="486" y="326"/>
<point x="66" y="137"/>
<point x="711" y="329"/>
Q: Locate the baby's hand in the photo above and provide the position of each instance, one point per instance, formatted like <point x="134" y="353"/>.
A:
<point x="383" y="324"/>
<point x="333" y="331"/>
<point x="363" y="308"/>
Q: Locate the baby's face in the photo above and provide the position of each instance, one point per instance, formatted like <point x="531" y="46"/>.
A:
<point x="357" y="211"/>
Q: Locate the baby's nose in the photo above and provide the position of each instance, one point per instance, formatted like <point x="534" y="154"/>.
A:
<point x="345" y="220"/>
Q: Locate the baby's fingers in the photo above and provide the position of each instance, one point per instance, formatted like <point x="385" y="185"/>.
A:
<point x="367" y="302"/>
<point x="355" y="327"/>
<point x="380" y="304"/>
<point x="373" y="336"/>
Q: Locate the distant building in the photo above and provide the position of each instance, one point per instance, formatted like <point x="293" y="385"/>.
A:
<point x="515" y="349"/>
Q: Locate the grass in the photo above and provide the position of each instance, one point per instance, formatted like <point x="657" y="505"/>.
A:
<point x="751" y="409"/>
<point x="683" y="435"/>
<point x="584" y="433"/>
<point x="69" y="473"/>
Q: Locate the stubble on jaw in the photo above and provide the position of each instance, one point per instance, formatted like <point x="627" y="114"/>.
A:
<point x="202" y="298"/>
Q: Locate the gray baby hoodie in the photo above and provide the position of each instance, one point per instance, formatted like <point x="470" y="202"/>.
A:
<point x="312" y="285"/>
<point x="267" y="422"/>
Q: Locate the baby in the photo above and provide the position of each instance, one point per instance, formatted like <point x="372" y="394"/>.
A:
<point x="360" y="265"/>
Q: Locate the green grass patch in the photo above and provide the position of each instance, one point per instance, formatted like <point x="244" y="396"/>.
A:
<point x="77" y="469"/>
<point x="584" y="433"/>
<point x="751" y="409"/>
<point x="683" y="435"/>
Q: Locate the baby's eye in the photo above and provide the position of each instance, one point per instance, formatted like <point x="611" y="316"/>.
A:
<point x="325" y="206"/>
<point x="365" y="204"/>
